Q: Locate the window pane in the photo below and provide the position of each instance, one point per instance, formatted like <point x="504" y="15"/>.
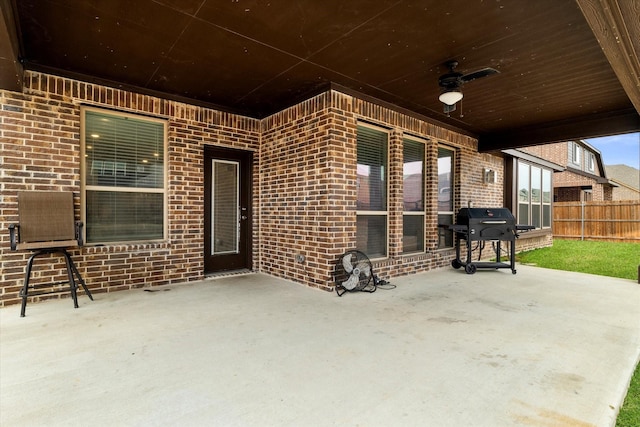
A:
<point x="536" y="216"/>
<point x="536" y="192"/>
<point x="413" y="233"/>
<point x="225" y="207"/>
<point x="372" y="169"/>
<point x="413" y="176"/>
<point x="523" y="182"/>
<point x="546" y="186"/>
<point x="123" y="151"/>
<point x="371" y="231"/>
<point x="124" y="177"/>
<point x="445" y="175"/>
<point x="445" y="237"/>
<point x="122" y="216"/>
<point x="523" y="213"/>
<point x="546" y="215"/>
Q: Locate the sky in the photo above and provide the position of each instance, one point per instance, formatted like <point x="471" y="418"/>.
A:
<point x="619" y="149"/>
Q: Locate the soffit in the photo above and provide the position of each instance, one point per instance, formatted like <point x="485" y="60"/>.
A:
<point x="560" y="77"/>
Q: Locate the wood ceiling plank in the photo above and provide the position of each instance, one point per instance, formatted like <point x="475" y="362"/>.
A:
<point x="587" y="126"/>
<point x="616" y="25"/>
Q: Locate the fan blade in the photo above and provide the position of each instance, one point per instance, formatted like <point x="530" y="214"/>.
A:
<point x="351" y="282"/>
<point x="479" y="74"/>
<point x="364" y="268"/>
<point x="346" y="263"/>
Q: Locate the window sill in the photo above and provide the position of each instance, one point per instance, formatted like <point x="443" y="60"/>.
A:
<point x="535" y="233"/>
<point x="126" y="247"/>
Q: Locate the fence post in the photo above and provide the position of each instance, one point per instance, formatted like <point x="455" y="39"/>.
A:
<point x="582" y="220"/>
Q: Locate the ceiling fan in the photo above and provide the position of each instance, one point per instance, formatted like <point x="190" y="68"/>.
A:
<point x="451" y="84"/>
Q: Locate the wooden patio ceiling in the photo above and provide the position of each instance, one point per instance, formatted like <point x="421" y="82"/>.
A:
<point x="568" y="68"/>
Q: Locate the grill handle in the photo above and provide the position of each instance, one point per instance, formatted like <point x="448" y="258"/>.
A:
<point x="494" y="221"/>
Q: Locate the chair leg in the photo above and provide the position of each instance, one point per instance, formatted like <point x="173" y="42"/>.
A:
<point x="80" y="279"/>
<point x="72" y="282"/>
<point x="24" y="293"/>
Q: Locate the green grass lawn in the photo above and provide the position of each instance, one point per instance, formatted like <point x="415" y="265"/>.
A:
<point x="630" y="412"/>
<point x="604" y="259"/>
<point x="601" y="258"/>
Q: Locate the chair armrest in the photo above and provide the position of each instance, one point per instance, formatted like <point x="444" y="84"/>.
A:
<point x="14" y="235"/>
<point x="79" y="225"/>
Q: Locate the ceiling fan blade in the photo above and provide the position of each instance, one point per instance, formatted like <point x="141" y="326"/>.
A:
<point x="479" y="74"/>
<point x="346" y="263"/>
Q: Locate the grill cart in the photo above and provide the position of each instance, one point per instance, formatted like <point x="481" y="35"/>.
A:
<point x="481" y="225"/>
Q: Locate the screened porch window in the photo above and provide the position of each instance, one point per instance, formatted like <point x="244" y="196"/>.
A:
<point x="123" y="177"/>
<point x="371" y="228"/>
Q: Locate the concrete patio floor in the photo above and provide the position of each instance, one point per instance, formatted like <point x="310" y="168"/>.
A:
<point x="543" y="348"/>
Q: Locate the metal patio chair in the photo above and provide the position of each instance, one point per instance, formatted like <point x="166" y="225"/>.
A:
<point x="47" y="226"/>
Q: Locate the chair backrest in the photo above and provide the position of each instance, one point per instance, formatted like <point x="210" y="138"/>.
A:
<point x="46" y="216"/>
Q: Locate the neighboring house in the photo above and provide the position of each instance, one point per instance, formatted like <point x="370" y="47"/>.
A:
<point x="584" y="177"/>
<point x="627" y="180"/>
<point x="171" y="192"/>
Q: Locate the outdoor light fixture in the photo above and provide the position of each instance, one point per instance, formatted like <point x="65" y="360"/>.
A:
<point x="489" y="176"/>
<point x="450" y="97"/>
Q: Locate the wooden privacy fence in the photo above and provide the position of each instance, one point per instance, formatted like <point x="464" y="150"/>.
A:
<point x="617" y="220"/>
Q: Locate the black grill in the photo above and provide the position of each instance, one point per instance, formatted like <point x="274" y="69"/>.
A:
<point x="481" y="225"/>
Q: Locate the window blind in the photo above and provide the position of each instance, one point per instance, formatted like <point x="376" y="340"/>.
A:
<point x="372" y="169"/>
<point x="124" y="178"/>
<point x="371" y="227"/>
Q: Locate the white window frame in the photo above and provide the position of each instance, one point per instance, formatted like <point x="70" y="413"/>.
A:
<point x="530" y="204"/>
<point x="236" y="231"/>
<point x="421" y="213"/>
<point x="84" y="188"/>
<point x="575" y="151"/>
<point x="591" y="161"/>
<point x="384" y="213"/>
<point x="451" y="193"/>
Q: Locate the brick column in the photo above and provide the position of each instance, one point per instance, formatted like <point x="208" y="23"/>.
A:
<point x="395" y="194"/>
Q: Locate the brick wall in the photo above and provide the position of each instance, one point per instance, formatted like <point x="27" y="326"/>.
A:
<point x="556" y="152"/>
<point x="307" y="205"/>
<point x="567" y="184"/>
<point x="308" y="187"/>
<point x="40" y="145"/>
<point x="304" y="183"/>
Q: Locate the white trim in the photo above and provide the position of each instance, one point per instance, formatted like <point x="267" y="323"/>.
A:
<point x="385" y="212"/>
<point x="238" y="213"/>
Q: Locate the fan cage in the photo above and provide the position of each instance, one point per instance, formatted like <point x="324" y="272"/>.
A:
<point x="357" y="259"/>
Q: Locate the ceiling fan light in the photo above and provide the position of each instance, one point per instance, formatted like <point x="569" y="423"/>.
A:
<point x="450" y="97"/>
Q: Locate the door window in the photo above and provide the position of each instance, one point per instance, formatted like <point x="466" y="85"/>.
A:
<point x="224" y="215"/>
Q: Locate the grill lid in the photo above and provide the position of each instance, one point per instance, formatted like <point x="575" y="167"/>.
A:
<point x="485" y="216"/>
